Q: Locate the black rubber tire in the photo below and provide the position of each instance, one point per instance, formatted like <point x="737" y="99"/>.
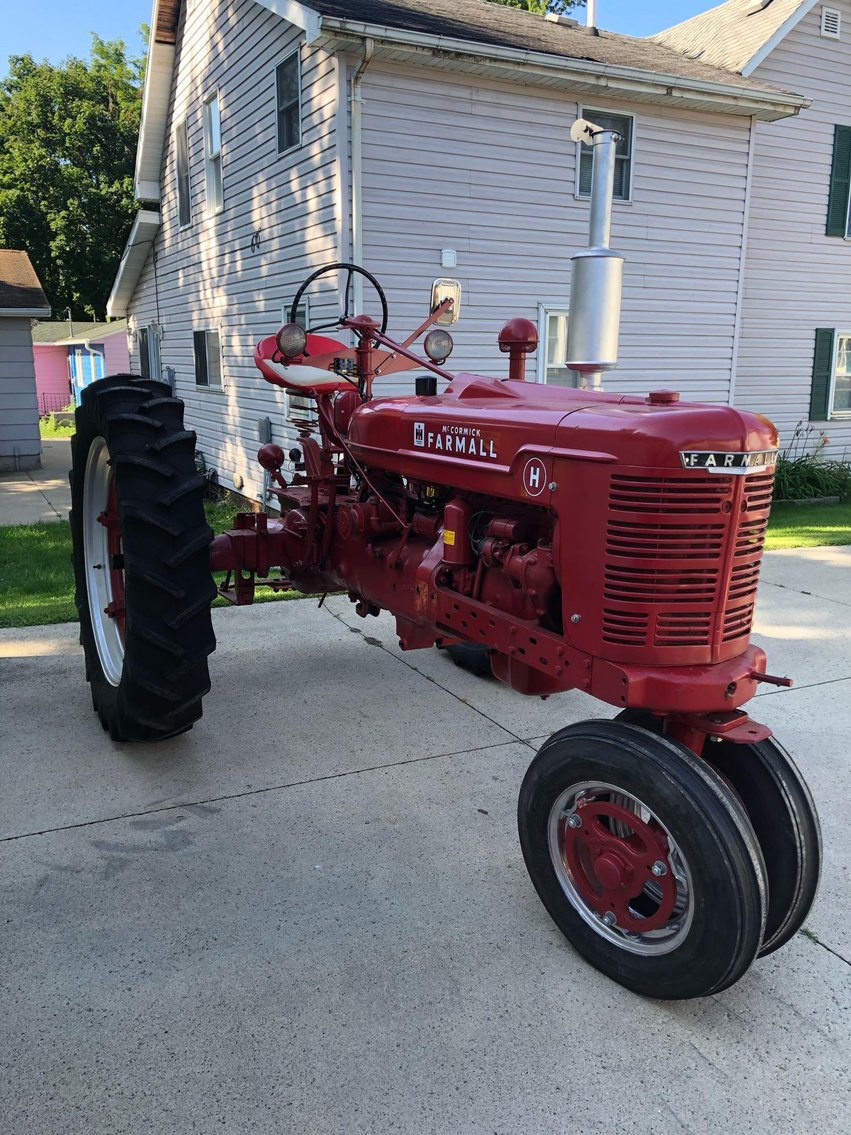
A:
<point x="782" y="813"/>
<point x="473" y="657"/>
<point x="709" y="826"/>
<point x="167" y="578"/>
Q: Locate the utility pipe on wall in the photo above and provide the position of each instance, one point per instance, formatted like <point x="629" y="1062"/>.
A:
<point x="357" y="171"/>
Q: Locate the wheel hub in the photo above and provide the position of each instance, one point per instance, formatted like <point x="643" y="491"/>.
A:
<point x="620" y="868"/>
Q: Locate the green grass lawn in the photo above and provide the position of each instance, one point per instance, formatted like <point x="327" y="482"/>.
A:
<point x="809" y="525"/>
<point x="37" y="586"/>
<point x="37" y="581"/>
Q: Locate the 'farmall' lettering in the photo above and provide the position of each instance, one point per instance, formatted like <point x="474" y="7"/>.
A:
<point x="466" y="440"/>
<point x="714" y="462"/>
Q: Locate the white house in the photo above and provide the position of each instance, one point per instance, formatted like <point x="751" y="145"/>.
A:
<point x="428" y="140"/>
<point x="794" y="346"/>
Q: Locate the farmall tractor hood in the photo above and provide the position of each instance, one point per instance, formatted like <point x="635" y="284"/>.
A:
<point x="507" y="434"/>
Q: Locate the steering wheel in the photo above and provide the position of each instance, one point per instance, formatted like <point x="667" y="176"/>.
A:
<point x="350" y="270"/>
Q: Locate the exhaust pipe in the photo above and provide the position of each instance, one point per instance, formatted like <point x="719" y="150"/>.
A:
<point x="597" y="285"/>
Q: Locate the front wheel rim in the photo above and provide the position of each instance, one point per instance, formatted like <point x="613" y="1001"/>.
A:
<point x="620" y="868"/>
<point x="102" y="550"/>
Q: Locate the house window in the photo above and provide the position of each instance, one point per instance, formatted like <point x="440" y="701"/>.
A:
<point x="149" y="351"/>
<point x="288" y="91"/>
<point x="208" y="358"/>
<point x="624" y="125"/>
<point x="213" y="154"/>
<point x="830" y="395"/>
<point x="181" y="148"/>
<point x="840" y="401"/>
<point x="552" y="365"/>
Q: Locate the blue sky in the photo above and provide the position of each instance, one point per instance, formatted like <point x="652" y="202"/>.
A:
<point x="50" y="29"/>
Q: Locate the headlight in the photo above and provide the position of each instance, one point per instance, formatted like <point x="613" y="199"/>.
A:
<point x="438" y="345"/>
<point x="291" y="340"/>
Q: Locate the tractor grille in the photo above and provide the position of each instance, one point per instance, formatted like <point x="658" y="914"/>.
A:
<point x="682" y="560"/>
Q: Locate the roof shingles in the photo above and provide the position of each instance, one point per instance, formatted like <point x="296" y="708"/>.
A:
<point x="730" y="35"/>
<point x="20" y="288"/>
<point x="482" y="22"/>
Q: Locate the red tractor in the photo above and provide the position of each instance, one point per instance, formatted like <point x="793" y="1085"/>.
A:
<point x="574" y="539"/>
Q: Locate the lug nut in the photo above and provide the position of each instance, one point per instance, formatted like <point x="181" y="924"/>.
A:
<point x="659" y="868"/>
<point x="609" y="919"/>
<point x="574" y="821"/>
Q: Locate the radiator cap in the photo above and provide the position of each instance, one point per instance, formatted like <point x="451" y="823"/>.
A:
<point x="663" y="397"/>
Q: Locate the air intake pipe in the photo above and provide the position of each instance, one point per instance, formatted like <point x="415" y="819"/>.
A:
<point x="597" y="283"/>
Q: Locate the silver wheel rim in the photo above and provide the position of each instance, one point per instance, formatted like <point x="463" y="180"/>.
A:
<point x="657" y="941"/>
<point x="106" y="630"/>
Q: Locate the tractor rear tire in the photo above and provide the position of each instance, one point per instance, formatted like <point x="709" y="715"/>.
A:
<point x="644" y="859"/>
<point x="141" y="547"/>
<point x="782" y="813"/>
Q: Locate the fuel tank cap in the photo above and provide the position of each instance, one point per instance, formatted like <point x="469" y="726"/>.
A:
<point x="663" y="397"/>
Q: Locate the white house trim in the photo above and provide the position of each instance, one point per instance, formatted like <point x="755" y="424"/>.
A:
<point x="155" y="103"/>
<point x="781" y="33"/>
<point x="25" y="312"/>
<point x="299" y="14"/>
<point x="617" y="82"/>
<point x="139" y="242"/>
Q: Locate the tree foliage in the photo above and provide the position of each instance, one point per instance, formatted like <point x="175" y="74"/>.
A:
<point x="67" y="152"/>
<point x="541" y="7"/>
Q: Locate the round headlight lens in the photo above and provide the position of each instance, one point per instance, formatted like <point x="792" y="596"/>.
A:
<point x="291" y="340"/>
<point x="438" y="345"/>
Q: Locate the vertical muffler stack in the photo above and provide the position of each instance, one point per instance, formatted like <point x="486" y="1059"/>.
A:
<point x="597" y="284"/>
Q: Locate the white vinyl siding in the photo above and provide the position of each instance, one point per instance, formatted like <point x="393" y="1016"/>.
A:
<point x="208" y="276"/>
<point x="442" y="169"/>
<point x="20" y="444"/>
<point x="797" y="278"/>
<point x="288" y="100"/>
<point x="213" y="154"/>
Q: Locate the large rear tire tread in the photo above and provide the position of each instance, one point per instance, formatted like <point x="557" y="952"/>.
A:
<point x="168" y="584"/>
<point x="711" y="829"/>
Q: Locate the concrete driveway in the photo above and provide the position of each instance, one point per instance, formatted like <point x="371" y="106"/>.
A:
<point x="311" y="915"/>
<point x="39" y="494"/>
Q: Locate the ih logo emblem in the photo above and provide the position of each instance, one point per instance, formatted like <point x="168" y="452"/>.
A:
<point x="535" y="477"/>
<point x="419" y="434"/>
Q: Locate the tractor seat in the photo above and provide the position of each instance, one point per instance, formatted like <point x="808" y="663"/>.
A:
<point x="298" y="375"/>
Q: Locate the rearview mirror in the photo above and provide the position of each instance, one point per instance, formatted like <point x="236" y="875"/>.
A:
<point x="446" y="290"/>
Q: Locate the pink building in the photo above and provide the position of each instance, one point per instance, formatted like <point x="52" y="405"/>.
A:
<point x="70" y="355"/>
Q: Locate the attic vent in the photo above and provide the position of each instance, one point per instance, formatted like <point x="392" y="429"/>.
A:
<point x="564" y="20"/>
<point x="756" y="6"/>
<point x="831" y="22"/>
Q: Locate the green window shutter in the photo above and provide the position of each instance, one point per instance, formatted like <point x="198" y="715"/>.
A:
<point x="840" y="182"/>
<point x="822" y="373"/>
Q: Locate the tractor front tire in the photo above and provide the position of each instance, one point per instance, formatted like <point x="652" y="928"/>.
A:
<point x="644" y="859"/>
<point x="141" y="559"/>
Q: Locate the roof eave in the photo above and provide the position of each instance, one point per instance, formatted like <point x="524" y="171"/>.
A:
<point x="24" y="312"/>
<point x="625" y="81"/>
<point x="145" y="228"/>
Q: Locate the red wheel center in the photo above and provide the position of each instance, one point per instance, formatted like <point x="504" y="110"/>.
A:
<point x="611" y="870"/>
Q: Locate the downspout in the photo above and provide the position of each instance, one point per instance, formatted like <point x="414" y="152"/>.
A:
<point x="357" y="170"/>
<point x="740" y="293"/>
